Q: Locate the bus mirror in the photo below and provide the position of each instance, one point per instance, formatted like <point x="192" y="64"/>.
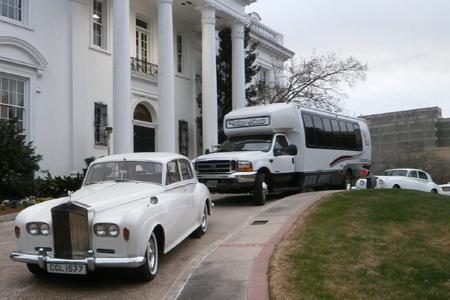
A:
<point x="293" y="149"/>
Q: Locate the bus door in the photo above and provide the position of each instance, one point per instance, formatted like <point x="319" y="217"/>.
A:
<point x="283" y="164"/>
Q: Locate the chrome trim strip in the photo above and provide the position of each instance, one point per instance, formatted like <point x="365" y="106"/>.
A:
<point x="91" y="262"/>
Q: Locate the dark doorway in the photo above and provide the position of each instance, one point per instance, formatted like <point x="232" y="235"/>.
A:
<point x="144" y="139"/>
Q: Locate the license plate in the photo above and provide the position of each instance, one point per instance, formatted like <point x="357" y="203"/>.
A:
<point x="211" y="183"/>
<point x="66" y="269"/>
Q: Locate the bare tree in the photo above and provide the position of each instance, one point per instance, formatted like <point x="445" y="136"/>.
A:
<point x="317" y="81"/>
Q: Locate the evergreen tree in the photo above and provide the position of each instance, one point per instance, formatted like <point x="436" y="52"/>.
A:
<point x="224" y="71"/>
<point x="18" y="162"/>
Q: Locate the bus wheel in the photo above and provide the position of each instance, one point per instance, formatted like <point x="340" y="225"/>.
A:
<point x="260" y="189"/>
<point x="348" y="178"/>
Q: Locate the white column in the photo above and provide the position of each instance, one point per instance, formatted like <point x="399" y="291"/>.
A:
<point x="166" y="78"/>
<point x="209" y="78"/>
<point x="122" y="122"/>
<point x="238" y="65"/>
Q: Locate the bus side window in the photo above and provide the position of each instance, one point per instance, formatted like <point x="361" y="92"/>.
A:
<point x="328" y="133"/>
<point x="309" y="131"/>
<point x="343" y="136"/>
<point x="318" y="129"/>
<point x="358" y="138"/>
<point x="351" y="136"/>
<point x="336" y="134"/>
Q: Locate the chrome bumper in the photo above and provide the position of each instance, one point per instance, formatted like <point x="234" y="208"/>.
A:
<point x="238" y="176"/>
<point x="91" y="262"/>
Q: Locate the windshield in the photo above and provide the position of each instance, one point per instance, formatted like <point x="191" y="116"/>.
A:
<point x="125" y="171"/>
<point x="396" y="173"/>
<point x="247" y="143"/>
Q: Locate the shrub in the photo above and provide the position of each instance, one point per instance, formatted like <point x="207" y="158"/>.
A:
<point x="18" y="162"/>
<point x="58" y="186"/>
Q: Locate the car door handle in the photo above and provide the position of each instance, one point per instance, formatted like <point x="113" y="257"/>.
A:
<point x="293" y="161"/>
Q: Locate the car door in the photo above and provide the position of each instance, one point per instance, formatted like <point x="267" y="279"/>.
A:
<point x="283" y="164"/>
<point x="412" y="181"/>
<point x="177" y="200"/>
<point x="423" y="181"/>
<point x="192" y="211"/>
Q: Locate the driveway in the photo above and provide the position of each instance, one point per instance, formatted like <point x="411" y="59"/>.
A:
<point x="182" y="271"/>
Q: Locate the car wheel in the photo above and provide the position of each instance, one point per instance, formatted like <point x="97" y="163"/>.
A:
<point x="260" y="189"/>
<point x="434" y="191"/>
<point x="149" y="269"/>
<point x="396" y="186"/>
<point x="36" y="270"/>
<point x="201" y="230"/>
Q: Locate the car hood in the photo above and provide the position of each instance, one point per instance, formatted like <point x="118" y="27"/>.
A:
<point x="237" y="155"/>
<point x="108" y="195"/>
<point x="99" y="197"/>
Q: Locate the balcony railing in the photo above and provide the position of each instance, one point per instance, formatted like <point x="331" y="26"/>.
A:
<point x="266" y="32"/>
<point x="144" y="67"/>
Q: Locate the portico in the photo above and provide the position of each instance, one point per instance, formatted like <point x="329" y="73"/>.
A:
<point x="207" y="16"/>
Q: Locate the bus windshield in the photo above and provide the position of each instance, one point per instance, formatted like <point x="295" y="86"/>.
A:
<point x="247" y="143"/>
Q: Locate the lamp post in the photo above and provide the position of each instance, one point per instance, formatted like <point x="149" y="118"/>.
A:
<point x="108" y="131"/>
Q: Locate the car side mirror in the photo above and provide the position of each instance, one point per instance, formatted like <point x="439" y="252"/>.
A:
<point x="292" y="149"/>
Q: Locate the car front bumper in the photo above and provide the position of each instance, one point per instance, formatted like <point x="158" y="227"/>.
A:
<point x="228" y="183"/>
<point x="91" y="262"/>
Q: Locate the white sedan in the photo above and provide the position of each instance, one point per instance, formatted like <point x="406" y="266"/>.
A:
<point x="130" y="209"/>
<point x="413" y="179"/>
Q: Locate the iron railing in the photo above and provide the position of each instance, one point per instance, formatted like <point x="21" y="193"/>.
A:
<point x="144" y="67"/>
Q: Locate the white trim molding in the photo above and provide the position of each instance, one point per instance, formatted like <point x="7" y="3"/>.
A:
<point x="39" y="63"/>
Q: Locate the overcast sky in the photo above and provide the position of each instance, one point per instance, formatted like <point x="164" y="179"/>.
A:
<point x="406" y="44"/>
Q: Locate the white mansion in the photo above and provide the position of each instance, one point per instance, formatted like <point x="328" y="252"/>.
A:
<point x="73" y="70"/>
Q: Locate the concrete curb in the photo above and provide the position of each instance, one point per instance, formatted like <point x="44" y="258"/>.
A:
<point x="259" y="281"/>
<point x="8" y="217"/>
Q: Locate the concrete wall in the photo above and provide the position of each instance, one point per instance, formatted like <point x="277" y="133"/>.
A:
<point x="396" y="135"/>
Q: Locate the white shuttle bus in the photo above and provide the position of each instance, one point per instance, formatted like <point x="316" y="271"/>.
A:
<point x="286" y="147"/>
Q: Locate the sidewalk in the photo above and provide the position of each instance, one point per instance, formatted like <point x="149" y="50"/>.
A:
<point x="238" y="267"/>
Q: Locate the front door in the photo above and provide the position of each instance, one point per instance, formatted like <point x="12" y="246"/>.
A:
<point x="144" y="139"/>
<point x="283" y="164"/>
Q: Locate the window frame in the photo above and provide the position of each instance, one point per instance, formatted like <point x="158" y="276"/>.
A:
<point x="23" y="22"/>
<point x="166" y="183"/>
<point x="184" y="53"/>
<point x="189" y="168"/>
<point x="106" y="38"/>
<point x="102" y="141"/>
<point x="148" y="32"/>
<point x="25" y="94"/>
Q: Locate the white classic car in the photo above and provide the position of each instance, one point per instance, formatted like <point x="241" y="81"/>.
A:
<point x="130" y="209"/>
<point x="413" y="179"/>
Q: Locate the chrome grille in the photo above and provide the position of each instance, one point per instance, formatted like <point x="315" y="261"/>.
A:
<point x="70" y="231"/>
<point x="216" y="166"/>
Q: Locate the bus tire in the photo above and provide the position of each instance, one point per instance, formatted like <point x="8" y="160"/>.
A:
<point x="260" y="189"/>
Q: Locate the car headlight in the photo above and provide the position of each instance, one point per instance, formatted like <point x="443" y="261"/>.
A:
<point x="380" y="182"/>
<point x="38" y="228"/>
<point x="361" y="182"/>
<point x="245" y="166"/>
<point x="106" y="229"/>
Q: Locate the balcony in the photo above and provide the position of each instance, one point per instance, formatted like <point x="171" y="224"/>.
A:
<point x="142" y="67"/>
<point x="266" y="32"/>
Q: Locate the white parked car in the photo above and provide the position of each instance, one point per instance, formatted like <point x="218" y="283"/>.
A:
<point x="445" y="189"/>
<point x="412" y="179"/>
<point x="130" y="209"/>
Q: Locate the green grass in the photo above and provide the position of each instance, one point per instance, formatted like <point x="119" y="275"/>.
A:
<point x="377" y="244"/>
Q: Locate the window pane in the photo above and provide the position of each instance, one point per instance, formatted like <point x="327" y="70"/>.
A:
<point x="309" y="130"/>
<point x="318" y="128"/>
<point x="173" y="175"/>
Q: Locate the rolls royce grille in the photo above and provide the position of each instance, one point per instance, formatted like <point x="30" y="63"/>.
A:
<point x="216" y="166"/>
<point x="70" y="231"/>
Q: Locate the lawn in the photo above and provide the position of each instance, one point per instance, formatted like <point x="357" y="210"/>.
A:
<point x="377" y="244"/>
